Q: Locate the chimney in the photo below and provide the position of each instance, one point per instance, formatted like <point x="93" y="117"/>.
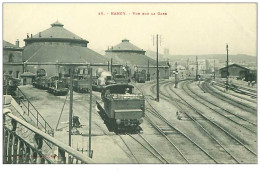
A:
<point x="17" y="43"/>
<point x="40" y="34"/>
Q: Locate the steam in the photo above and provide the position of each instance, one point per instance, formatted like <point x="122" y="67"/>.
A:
<point x="102" y="74"/>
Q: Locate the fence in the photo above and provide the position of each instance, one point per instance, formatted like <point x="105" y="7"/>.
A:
<point x="36" y="117"/>
<point x="19" y="149"/>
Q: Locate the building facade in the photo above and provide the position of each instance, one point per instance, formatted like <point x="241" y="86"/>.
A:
<point x="58" y="45"/>
<point x="127" y="54"/>
<point x="12" y="59"/>
<point x="234" y="70"/>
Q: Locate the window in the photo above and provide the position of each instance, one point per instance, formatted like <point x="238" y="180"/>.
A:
<point x="11" y="57"/>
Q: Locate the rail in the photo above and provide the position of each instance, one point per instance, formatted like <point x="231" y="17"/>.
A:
<point x="21" y="150"/>
<point x="44" y="125"/>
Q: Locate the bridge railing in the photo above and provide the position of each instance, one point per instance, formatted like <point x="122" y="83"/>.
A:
<point x="34" y="116"/>
<point x="23" y="143"/>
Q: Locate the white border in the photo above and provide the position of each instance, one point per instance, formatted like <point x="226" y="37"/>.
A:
<point x="145" y="173"/>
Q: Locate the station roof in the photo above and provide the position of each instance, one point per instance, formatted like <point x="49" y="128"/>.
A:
<point x="234" y="65"/>
<point x="56" y="31"/>
<point x="125" y="46"/>
<point x="61" y="54"/>
<point x="135" y="59"/>
<point x="8" y="45"/>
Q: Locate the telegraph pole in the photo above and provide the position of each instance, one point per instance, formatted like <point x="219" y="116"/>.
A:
<point x="176" y="75"/>
<point x="227" y="69"/>
<point x="148" y="74"/>
<point x="148" y="66"/>
<point x="157" y="66"/>
<point x="214" y="70"/>
<point x="90" y="112"/>
<point x="71" y="104"/>
<point x="111" y="66"/>
<point x="107" y="65"/>
<point x="197" y="68"/>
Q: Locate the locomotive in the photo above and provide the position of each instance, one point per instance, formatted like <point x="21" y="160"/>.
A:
<point x="52" y="84"/>
<point x="140" y="77"/>
<point x="121" y="79"/>
<point x="82" y="84"/>
<point x="101" y="82"/>
<point x="121" y="108"/>
<point x="57" y="87"/>
<point x="41" y="83"/>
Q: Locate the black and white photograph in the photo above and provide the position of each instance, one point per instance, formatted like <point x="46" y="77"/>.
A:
<point x="129" y="83"/>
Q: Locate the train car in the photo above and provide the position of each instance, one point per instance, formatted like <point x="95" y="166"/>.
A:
<point x="41" y="82"/>
<point x="121" y="79"/>
<point x="122" y="108"/>
<point x="140" y="77"/>
<point x="82" y="85"/>
<point x="57" y="88"/>
<point x="101" y="82"/>
<point x="66" y="81"/>
<point x="251" y="77"/>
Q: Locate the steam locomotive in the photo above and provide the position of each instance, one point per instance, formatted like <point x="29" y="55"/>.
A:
<point x="140" y="76"/>
<point x="121" y="108"/>
<point x="52" y="84"/>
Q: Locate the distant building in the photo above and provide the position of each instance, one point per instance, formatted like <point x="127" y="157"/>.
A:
<point x="234" y="70"/>
<point x="12" y="59"/>
<point x="128" y="54"/>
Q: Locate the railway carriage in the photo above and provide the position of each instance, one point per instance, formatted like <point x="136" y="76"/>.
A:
<point x="122" y="108"/>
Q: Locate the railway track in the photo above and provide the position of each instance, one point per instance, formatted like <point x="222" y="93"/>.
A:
<point x="252" y="100"/>
<point x="240" y="87"/>
<point x="144" y="144"/>
<point x="106" y="133"/>
<point x="192" y="118"/>
<point x="240" y="105"/>
<point x="169" y="129"/>
<point x="245" y="123"/>
<point x="250" y="151"/>
<point x="229" y="136"/>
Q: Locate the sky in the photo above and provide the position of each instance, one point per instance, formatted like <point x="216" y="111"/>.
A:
<point x="186" y="29"/>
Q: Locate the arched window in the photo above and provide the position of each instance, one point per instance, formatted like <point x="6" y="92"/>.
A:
<point x="11" y="57"/>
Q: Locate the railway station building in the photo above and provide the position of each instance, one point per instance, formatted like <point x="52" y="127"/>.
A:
<point x="234" y="70"/>
<point x="58" y="45"/>
<point x="127" y="54"/>
<point x="12" y="59"/>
